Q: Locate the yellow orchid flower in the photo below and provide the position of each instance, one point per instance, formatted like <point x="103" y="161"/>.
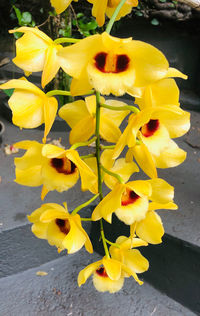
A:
<point x="132" y="258"/>
<point x="61" y="5"/>
<point x="53" y="222"/>
<point x="81" y="117"/>
<point x="100" y="8"/>
<point x="37" y="52"/>
<point x="154" y="127"/>
<point x="130" y="201"/>
<point x="54" y="167"/>
<point x="30" y="106"/>
<point x="112" y="65"/>
<point x="108" y="275"/>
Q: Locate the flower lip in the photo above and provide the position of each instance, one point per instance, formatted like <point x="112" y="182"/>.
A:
<point x="129" y="197"/>
<point x="102" y="272"/>
<point x="63" y="165"/>
<point x="150" y="128"/>
<point x="63" y="225"/>
<point x="109" y="63"/>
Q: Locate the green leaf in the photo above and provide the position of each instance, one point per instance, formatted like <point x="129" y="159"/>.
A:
<point x="79" y="15"/>
<point x="26" y="18"/>
<point x="155" y="22"/>
<point x="162" y="1"/>
<point x="18" y="14"/>
<point x="17" y="35"/>
<point x="138" y="13"/>
<point x="8" y="92"/>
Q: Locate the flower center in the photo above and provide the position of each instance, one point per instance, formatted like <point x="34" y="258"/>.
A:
<point x="111" y="63"/>
<point x="150" y="128"/>
<point x="102" y="272"/>
<point x="63" y="165"/>
<point x="129" y="197"/>
<point x="112" y="3"/>
<point x="63" y="225"/>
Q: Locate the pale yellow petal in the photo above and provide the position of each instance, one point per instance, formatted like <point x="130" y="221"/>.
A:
<point x="50" y="110"/>
<point x="73" y="112"/>
<point x="83" y="130"/>
<point x="162" y="192"/>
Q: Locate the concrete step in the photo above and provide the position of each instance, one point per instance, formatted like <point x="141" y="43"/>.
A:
<point x="58" y="294"/>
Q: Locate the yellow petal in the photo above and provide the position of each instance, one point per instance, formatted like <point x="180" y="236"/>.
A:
<point x="132" y="273"/>
<point x="40" y="230"/>
<point x="32" y="157"/>
<point x="54" y="235"/>
<point x="108" y="130"/>
<point x="160" y="206"/>
<point x="141" y="187"/>
<point x="115" y="116"/>
<point x="98" y="11"/>
<point x="83" y="130"/>
<point x="162" y="192"/>
<point x="73" y="112"/>
<point x="30" y="177"/>
<point x="87" y="272"/>
<point x="52" y="151"/>
<point x="113" y="268"/>
<point x="173" y="72"/>
<point x="109" y="204"/>
<point x="171" y="156"/>
<point x="88" y="178"/>
<point x="44" y="192"/>
<point x="151" y="228"/>
<point x="50" y="110"/>
<point x="60" y="5"/>
<point x="144" y="159"/>
<point x="51" y="64"/>
<point x="52" y="214"/>
<point x="135" y="261"/>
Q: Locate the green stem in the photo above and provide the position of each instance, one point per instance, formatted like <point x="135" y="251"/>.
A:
<point x="77" y="209"/>
<point x="66" y="40"/>
<point x="88" y="156"/>
<point x="112" y="19"/>
<point x="57" y="92"/>
<point x="112" y="174"/>
<point x="89" y="219"/>
<point x="90" y="141"/>
<point x="97" y="133"/>
<point x="107" y="147"/>
<point x="112" y="243"/>
<point x="104" y="240"/>
<point x="121" y="108"/>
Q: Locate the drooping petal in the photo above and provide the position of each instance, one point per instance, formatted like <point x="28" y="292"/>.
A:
<point x="88" y="244"/>
<point x="109" y="204"/>
<point x="113" y="268"/>
<point x="135" y="261"/>
<point x="151" y="228"/>
<point x="50" y="110"/>
<point x="143" y="158"/>
<point x="87" y="272"/>
<point x="108" y="130"/>
<point x="83" y="130"/>
<point x="30" y="177"/>
<point x="160" y="206"/>
<point x="115" y="116"/>
<point x="40" y="230"/>
<point x="73" y="112"/>
<point x="51" y="64"/>
<point x="88" y="178"/>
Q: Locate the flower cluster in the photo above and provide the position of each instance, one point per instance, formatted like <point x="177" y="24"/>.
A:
<point x="100" y="64"/>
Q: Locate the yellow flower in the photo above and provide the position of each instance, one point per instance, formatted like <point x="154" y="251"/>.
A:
<point x="60" y="5"/>
<point x="37" y="52"/>
<point x="53" y="222"/>
<point x="113" y="65"/>
<point x="30" y="106"/>
<point x="130" y="201"/>
<point x="154" y="127"/>
<point x="54" y="167"/>
<point x="100" y="8"/>
<point x="108" y="275"/>
<point x="81" y="117"/>
<point x="132" y="258"/>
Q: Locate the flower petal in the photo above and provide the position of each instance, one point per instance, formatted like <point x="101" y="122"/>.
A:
<point x="151" y="228"/>
<point x="50" y="110"/>
<point x="113" y="268"/>
<point x="83" y="130"/>
<point x="162" y="192"/>
<point x="135" y="261"/>
<point x="73" y="112"/>
<point x="87" y="272"/>
<point x="51" y="64"/>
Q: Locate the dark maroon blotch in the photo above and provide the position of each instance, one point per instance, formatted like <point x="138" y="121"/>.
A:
<point x="122" y="63"/>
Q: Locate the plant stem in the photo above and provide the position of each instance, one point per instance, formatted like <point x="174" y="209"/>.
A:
<point x="98" y="107"/>
<point x="89" y="219"/>
<point x="81" y="144"/>
<point x="112" y="174"/>
<point x="108" y="147"/>
<point x="57" y="92"/>
<point x="104" y="240"/>
<point x="112" y="19"/>
<point x="98" y="144"/>
<point x="77" y="209"/>
<point x="121" y="108"/>
<point x="112" y="243"/>
<point x="66" y="40"/>
<point x="88" y="156"/>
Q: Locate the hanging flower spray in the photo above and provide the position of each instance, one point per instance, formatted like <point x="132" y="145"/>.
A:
<point x="100" y="65"/>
